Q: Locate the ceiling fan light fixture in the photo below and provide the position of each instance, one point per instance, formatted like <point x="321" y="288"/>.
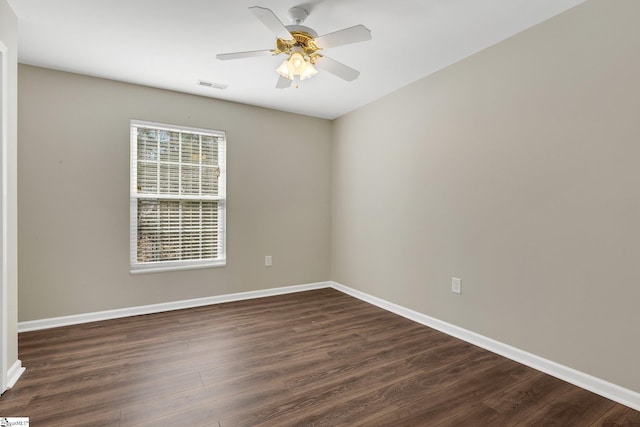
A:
<point x="297" y="62"/>
<point x="285" y="70"/>
<point x="296" y="65"/>
<point x="308" y="72"/>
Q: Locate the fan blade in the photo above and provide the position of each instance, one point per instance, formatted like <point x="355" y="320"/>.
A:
<point x="337" y="68"/>
<point x="271" y="21"/>
<point x="356" y="34"/>
<point x="239" y="55"/>
<point x="283" y="83"/>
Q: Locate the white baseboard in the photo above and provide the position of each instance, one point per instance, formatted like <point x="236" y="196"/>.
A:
<point x="14" y="373"/>
<point x="54" y="322"/>
<point x="604" y="388"/>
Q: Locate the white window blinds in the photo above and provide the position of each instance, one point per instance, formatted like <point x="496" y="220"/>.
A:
<point x="178" y="199"/>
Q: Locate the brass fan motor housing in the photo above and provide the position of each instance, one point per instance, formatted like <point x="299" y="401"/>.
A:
<point x="301" y="39"/>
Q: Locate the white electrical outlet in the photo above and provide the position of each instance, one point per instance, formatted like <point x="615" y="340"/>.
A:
<point x="456" y="285"/>
<point x="268" y="261"/>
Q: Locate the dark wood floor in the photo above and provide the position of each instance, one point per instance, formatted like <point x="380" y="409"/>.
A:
<point x="312" y="358"/>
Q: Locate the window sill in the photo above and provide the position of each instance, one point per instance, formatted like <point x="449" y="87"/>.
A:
<point x="165" y="267"/>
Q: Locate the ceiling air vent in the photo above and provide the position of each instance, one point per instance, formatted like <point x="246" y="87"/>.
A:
<point x="212" y="85"/>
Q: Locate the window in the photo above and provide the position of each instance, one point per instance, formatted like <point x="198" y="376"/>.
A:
<point x="178" y="191"/>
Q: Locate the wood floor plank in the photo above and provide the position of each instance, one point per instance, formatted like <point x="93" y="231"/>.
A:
<point x="619" y="416"/>
<point x="101" y="397"/>
<point x="512" y="405"/>
<point x="380" y="390"/>
<point x="456" y="391"/>
<point x="310" y="358"/>
<point x="97" y="418"/>
<point x="314" y="397"/>
<point x="576" y="407"/>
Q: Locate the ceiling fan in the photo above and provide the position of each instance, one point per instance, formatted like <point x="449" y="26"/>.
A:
<point x="303" y="47"/>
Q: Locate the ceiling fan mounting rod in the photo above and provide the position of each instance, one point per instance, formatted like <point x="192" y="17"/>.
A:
<point x="297" y="15"/>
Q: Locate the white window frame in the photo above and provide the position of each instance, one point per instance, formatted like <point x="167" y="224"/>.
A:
<point x="156" y="266"/>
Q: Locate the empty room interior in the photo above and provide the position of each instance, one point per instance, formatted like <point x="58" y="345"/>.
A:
<point x="277" y="213"/>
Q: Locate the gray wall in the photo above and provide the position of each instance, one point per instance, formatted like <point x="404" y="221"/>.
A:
<point x="9" y="36"/>
<point x="74" y="195"/>
<point x="516" y="170"/>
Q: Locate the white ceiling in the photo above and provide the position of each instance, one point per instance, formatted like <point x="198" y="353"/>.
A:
<point x="172" y="44"/>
